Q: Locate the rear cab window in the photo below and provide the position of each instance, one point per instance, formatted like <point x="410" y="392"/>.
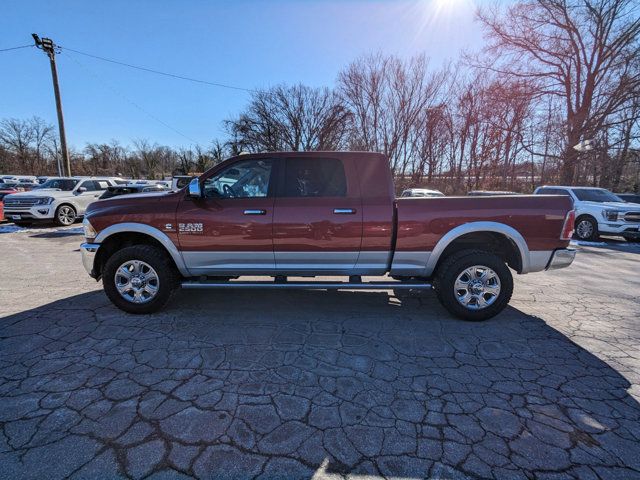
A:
<point x="314" y="177"/>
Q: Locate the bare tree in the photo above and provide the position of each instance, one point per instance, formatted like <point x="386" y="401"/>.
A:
<point x="104" y="158"/>
<point x="28" y="141"/>
<point x="388" y="99"/>
<point x="293" y="118"/>
<point x="583" y="51"/>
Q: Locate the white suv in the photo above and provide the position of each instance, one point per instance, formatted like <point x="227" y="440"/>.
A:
<point x="599" y="211"/>
<point x="59" y="199"/>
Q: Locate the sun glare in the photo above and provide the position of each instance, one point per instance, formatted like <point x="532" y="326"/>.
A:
<point x="447" y="5"/>
<point x="441" y="17"/>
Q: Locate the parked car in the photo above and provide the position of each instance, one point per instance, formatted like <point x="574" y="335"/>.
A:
<point x="4" y="191"/>
<point x="489" y="193"/>
<point x="60" y="199"/>
<point x="132" y="188"/>
<point x="629" y="197"/>
<point x="421" y="192"/>
<point x="25" y="186"/>
<point x="599" y="211"/>
<point x="18" y="179"/>
<point x="320" y="214"/>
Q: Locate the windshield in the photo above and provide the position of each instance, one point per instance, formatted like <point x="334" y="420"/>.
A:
<point x="65" y="184"/>
<point x="595" y="195"/>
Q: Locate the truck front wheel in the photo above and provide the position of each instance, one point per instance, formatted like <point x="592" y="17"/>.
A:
<point x="139" y="279"/>
<point x="473" y="284"/>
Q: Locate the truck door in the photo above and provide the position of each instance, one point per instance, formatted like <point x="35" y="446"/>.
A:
<point x="229" y="231"/>
<point x="317" y="225"/>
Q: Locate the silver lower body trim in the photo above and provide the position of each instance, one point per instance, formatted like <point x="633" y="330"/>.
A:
<point x="209" y="263"/>
<point x="88" y="252"/>
<point x="413" y="264"/>
<point x="318" y="260"/>
<point x="286" y="263"/>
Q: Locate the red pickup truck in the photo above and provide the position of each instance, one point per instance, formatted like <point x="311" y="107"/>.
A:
<point x="292" y="214"/>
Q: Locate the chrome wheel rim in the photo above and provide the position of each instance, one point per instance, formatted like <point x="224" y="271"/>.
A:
<point x="584" y="229"/>
<point x="477" y="287"/>
<point x="66" y="215"/>
<point x="137" y="281"/>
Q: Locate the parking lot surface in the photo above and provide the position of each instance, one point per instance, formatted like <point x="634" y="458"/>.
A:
<point x="312" y="384"/>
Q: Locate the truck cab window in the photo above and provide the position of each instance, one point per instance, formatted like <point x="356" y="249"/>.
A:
<point x="241" y="180"/>
<point x="306" y="177"/>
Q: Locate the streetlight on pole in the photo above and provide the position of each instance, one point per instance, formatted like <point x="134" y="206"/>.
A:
<point x="48" y="47"/>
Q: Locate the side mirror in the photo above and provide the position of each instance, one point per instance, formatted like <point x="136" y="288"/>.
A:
<point x="81" y="189"/>
<point x="194" y="189"/>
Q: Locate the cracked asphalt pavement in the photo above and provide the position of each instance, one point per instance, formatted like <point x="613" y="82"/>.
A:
<point x="312" y="384"/>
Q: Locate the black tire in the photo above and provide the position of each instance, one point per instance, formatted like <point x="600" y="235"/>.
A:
<point x="589" y="232"/>
<point x="68" y="218"/>
<point x="454" y="266"/>
<point x="154" y="257"/>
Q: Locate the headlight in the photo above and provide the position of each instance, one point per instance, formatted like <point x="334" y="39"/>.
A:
<point x="610" y="215"/>
<point x="44" y="201"/>
<point x="89" y="231"/>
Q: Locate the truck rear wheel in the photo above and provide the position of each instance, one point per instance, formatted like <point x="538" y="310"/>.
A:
<point x="139" y="279"/>
<point x="473" y="284"/>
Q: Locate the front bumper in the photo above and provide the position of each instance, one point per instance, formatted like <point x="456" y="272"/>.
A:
<point x="561" y="258"/>
<point x="37" y="212"/>
<point x="89" y="251"/>
<point x="626" y="229"/>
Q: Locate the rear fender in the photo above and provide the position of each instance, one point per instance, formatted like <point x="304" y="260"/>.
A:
<point x="496" y="227"/>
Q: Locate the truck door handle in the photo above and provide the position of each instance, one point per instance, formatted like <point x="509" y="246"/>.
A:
<point x="344" y="211"/>
<point x="255" y="212"/>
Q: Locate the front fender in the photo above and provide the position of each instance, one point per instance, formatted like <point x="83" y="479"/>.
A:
<point x="153" y="232"/>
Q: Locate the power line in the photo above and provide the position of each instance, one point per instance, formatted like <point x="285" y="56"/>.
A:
<point x="128" y="100"/>
<point x="158" y="72"/>
<point x="15" y="48"/>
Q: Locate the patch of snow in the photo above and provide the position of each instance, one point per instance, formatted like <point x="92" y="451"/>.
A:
<point x="615" y="245"/>
<point x="586" y="243"/>
<point x="11" y="228"/>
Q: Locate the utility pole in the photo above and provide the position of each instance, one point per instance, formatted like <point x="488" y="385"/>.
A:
<point x="48" y="47"/>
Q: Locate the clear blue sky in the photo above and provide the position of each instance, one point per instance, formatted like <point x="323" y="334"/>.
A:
<point x="250" y="44"/>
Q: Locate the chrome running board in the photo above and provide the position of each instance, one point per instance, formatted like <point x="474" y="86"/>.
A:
<point x="311" y="285"/>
